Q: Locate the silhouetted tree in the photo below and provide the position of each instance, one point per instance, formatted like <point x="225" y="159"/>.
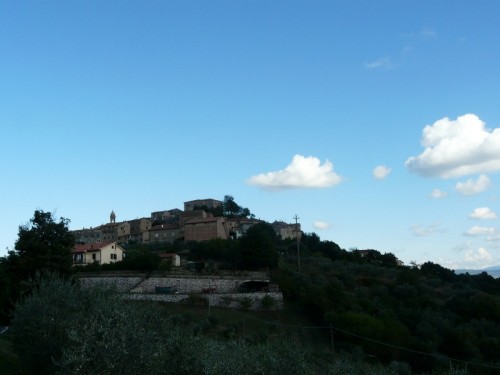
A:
<point x="258" y="247"/>
<point x="44" y="244"/>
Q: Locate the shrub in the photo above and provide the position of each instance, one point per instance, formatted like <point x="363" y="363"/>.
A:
<point x="268" y="302"/>
<point x="246" y="303"/>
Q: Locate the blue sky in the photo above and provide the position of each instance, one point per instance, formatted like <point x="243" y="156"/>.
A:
<point x="376" y="122"/>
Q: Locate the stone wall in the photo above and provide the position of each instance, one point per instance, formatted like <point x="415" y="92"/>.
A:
<point x="122" y="284"/>
<point x="250" y="301"/>
<point x="218" y="291"/>
<point x="188" y="285"/>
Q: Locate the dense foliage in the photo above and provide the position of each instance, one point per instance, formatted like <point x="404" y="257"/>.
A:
<point x="395" y="312"/>
<point x="63" y="329"/>
<point x="43" y="244"/>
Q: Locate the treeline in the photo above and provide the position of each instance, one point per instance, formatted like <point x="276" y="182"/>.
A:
<point x="397" y="312"/>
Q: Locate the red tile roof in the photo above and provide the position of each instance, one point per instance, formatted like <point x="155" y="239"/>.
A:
<point x="83" y="248"/>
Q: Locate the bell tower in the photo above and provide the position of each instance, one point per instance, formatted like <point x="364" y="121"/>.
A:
<point x="112" y="217"/>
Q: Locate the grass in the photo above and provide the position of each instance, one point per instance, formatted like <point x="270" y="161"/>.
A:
<point x="9" y="363"/>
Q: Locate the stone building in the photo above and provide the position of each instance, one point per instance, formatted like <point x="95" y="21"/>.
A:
<point x="165" y="233"/>
<point x="287" y="231"/>
<point x="209" y="203"/>
<point x="139" y="230"/>
<point x="204" y="229"/>
<point x="90" y="235"/>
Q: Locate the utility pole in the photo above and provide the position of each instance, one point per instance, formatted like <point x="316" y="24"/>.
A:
<point x="297" y="238"/>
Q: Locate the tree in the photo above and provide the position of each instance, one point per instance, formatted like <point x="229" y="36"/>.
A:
<point x="258" y="247"/>
<point x="232" y="209"/>
<point x="44" y="244"/>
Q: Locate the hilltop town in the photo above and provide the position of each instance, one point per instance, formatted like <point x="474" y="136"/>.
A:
<point x="201" y="220"/>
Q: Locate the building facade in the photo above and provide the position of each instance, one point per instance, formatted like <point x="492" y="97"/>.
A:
<point x="206" y="229"/>
<point x="210" y="203"/>
<point x="287" y="231"/>
<point x="165" y="233"/>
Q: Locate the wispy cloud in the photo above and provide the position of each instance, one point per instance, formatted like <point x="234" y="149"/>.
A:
<point x="302" y="172"/>
<point x="477" y="230"/>
<point x="425" y="231"/>
<point x="483" y="213"/>
<point x="455" y="148"/>
<point x="381" y="172"/>
<point x="382" y="63"/>
<point x="321" y="225"/>
<point x="427" y="33"/>
<point x="438" y="194"/>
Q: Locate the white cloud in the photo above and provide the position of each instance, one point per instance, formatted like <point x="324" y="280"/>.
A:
<point x="455" y="148"/>
<point x="383" y="62"/>
<point x="478" y="256"/>
<point x="425" y="231"/>
<point x="321" y="225"/>
<point x="482" y="213"/>
<point x="427" y="33"/>
<point x="493" y="238"/>
<point x="437" y="194"/>
<point x="380" y="172"/>
<point x="478" y="231"/>
<point x="471" y="187"/>
<point x="303" y="172"/>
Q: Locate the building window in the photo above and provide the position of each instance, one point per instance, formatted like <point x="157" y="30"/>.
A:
<point x="93" y="257"/>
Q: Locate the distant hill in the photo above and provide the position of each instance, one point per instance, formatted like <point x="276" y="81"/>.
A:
<point x="493" y="271"/>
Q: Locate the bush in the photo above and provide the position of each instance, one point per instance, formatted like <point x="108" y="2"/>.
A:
<point x="268" y="302"/>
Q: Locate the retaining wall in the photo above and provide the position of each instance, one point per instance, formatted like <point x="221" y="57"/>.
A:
<point x="251" y="301"/>
<point x="223" y="290"/>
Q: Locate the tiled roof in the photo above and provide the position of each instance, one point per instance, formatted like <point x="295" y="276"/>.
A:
<point x="83" y="248"/>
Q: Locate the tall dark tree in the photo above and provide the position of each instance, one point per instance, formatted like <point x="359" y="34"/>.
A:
<point x="259" y="247"/>
<point x="44" y="244"/>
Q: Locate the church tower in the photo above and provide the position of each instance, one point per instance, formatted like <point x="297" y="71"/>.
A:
<point x="112" y="217"/>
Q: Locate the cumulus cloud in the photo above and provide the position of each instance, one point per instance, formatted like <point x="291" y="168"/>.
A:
<point x="455" y="148"/>
<point x="479" y="255"/>
<point x="476" y="230"/>
<point x="482" y="213"/>
<point x="321" y="225"/>
<point x="425" y="231"/>
<point x="380" y="172"/>
<point x="437" y="194"/>
<point x="302" y="172"/>
<point x="471" y="187"/>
